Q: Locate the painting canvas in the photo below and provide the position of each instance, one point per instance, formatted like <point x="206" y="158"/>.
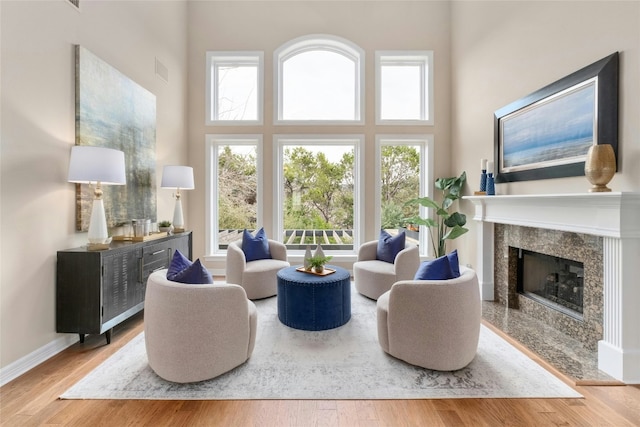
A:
<point x="548" y="133"/>
<point x="115" y="112"/>
<point x="557" y="130"/>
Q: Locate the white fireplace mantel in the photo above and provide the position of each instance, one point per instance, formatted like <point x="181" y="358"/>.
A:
<point x="616" y="217"/>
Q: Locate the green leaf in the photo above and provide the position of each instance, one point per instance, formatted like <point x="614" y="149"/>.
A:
<point x="416" y="220"/>
<point x="444" y="183"/>
<point x="456" y="218"/>
<point x="455" y="232"/>
<point x="446" y="203"/>
<point x="424" y="201"/>
<point x="443" y="212"/>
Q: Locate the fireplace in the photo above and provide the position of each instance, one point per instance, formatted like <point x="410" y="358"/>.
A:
<point x="553" y="281"/>
<point x="565" y="264"/>
<point x="608" y="226"/>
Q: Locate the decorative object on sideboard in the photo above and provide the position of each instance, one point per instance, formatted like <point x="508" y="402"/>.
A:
<point x="180" y="178"/>
<point x="164" y="226"/>
<point x="600" y="167"/>
<point x="97" y="166"/>
<point x="547" y="134"/>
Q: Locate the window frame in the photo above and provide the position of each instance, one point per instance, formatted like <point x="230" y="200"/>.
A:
<point x="280" y="141"/>
<point x="424" y="58"/>
<point x="425" y="141"/>
<point x="324" y="42"/>
<point x="212" y="143"/>
<point x="214" y="59"/>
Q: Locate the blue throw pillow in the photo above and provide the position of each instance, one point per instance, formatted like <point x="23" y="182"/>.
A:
<point x="195" y="274"/>
<point x="454" y="263"/>
<point x="178" y="263"/>
<point x="437" y="269"/>
<point x="257" y="247"/>
<point x="389" y="246"/>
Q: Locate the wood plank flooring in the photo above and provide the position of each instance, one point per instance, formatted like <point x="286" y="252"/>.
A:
<point x="32" y="400"/>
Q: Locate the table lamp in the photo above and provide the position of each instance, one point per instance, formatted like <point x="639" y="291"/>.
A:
<point x="99" y="166"/>
<point x="180" y="178"/>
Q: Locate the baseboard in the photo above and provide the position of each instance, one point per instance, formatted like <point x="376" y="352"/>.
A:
<point x="33" y="359"/>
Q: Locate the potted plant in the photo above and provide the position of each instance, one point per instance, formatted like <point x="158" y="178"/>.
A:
<point x="317" y="262"/>
<point x="164" y="226"/>
<point x="447" y="225"/>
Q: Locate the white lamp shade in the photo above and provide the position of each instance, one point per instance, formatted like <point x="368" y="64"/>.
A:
<point x="177" y="177"/>
<point x="96" y="164"/>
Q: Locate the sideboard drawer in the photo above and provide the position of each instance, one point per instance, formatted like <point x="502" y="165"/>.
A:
<point x="155" y="257"/>
<point x="154" y="253"/>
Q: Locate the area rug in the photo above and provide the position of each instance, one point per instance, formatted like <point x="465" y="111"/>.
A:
<point x="342" y="363"/>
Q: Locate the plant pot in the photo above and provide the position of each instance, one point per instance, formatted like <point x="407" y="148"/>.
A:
<point x="318" y="270"/>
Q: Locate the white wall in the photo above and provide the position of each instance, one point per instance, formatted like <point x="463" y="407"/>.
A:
<point x="266" y="25"/>
<point x="502" y="51"/>
<point x="38" y="129"/>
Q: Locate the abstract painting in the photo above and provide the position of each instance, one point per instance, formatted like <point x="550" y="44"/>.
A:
<point x="114" y="111"/>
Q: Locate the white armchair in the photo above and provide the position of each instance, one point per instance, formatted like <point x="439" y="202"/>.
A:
<point x="196" y="332"/>
<point x="432" y="323"/>
<point x="373" y="277"/>
<point x="258" y="278"/>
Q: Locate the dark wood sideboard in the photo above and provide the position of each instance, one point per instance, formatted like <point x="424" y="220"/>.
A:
<point x="96" y="290"/>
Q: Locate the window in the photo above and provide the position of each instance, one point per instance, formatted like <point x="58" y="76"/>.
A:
<point x="318" y="191"/>
<point x="318" y="179"/>
<point x="234" y="196"/>
<point x="404" y="87"/>
<point x="403" y="171"/>
<point x="234" y="88"/>
<point x="319" y="78"/>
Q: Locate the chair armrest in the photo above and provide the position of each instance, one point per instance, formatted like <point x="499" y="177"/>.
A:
<point x="367" y="251"/>
<point x="278" y="250"/>
<point x="236" y="263"/>
<point x="407" y="262"/>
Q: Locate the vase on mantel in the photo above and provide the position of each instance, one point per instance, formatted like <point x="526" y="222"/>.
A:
<point x="599" y="167"/>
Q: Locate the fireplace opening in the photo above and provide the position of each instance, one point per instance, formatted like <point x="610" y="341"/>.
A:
<point x="553" y="281"/>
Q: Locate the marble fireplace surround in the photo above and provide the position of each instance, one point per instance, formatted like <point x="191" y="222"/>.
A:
<point x="613" y="216"/>
<point x="584" y="248"/>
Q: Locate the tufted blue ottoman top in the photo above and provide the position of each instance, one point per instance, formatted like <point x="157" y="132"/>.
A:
<point x="312" y="302"/>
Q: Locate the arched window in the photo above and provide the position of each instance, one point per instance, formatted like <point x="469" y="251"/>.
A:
<point x="319" y="78"/>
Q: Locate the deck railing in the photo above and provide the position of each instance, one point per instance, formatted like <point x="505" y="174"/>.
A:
<point x="300" y="239"/>
<point x="335" y="239"/>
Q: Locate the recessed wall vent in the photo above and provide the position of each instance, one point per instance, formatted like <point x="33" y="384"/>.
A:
<point x="162" y="71"/>
<point x="75" y="3"/>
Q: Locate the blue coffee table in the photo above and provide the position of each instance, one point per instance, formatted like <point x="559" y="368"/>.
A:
<point x="311" y="302"/>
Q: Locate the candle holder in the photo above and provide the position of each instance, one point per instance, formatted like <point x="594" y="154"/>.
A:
<point x="483" y="180"/>
<point x="491" y="186"/>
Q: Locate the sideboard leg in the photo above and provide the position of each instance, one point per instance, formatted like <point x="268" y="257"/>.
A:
<point x="107" y="335"/>
<point x="81" y="338"/>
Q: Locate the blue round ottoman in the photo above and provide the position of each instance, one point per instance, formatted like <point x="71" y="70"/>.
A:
<point x="311" y="302"/>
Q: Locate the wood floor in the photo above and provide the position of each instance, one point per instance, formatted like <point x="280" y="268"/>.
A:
<point x="32" y="400"/>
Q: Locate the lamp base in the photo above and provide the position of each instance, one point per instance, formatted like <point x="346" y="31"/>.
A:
<point x="178" y="230"/>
